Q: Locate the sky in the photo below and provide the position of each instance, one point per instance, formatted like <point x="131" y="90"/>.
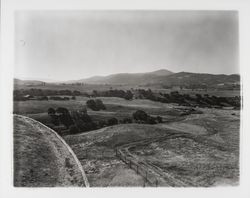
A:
<point x="68" y="45"/>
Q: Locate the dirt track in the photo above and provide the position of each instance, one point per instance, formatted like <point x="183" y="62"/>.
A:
<point x="154" y="172"/>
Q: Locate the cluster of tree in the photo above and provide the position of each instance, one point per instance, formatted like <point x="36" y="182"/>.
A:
<point x="128" y="95"/>
<point x="77" y="121"/>
<point x="45" y="92"/>
<point x="95" y="105"/>
<point x="59" y="116"/>
<point x="187" y="100"/>
<point x="62" y="98"/>
<point x="142" y="117"/>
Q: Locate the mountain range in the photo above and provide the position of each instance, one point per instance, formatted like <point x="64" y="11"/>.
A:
<point x="160" y="77"/>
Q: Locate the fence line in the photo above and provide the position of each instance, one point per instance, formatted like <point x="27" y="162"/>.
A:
<point x="148" y="178"/>
<point x="153" y="181"/>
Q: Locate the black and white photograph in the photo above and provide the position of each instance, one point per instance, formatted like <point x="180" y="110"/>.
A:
<point x="126" y="98"/>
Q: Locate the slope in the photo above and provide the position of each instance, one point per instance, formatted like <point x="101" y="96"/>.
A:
<point x="42" y="158"/>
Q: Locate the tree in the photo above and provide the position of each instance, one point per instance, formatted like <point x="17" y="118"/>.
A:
<point x="92" y="105"/>
<point x="159" y="119"/>
<point x="99" y="104"/>
<point x="151" y="120"/>
<point x="140" y="115"/>
<point x="51" y="111"/>
<point x="54" y="118"/>
<point x="128" y="95"/>
<point x="95" y="105"/>
<point x="126" y="121"/>
<point x="112" y="121"/>
<point x="73" y="129"/>
<point x="64" y="116"/>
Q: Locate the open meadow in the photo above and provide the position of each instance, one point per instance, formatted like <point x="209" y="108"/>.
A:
<point x="195" y="149"/>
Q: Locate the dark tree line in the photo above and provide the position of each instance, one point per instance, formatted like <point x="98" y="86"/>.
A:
<point x="128" y="95"/>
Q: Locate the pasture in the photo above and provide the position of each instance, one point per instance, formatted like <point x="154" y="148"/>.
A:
<point x="184" y="150"/>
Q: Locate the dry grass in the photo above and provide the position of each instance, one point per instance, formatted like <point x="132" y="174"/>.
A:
<point x="40" y="158"/>
<point x="201" y="150"/>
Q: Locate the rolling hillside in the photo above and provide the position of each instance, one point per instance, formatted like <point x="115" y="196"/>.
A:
<point x="187" y="78"/>
<point x="160" y="78"/>
<point x="42" y="158"/>
<point x="27" y="82"/>
<point x="164" y="78"/>
<point x="126" y="78"/>
<point x="201" y="150"/>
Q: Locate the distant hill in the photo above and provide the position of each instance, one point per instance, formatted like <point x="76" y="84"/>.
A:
<point x="164" y="78"/>
<point x="198" y="79"/>
<point x="160" y="78"/>
<point x="27" y="82"/>
<point x="125" y="78"/>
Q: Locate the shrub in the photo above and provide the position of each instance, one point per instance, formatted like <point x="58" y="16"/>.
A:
<point x="140" y="115"/>
<point x="54" y="119"/>
<point x="101" y="124"/>
<point x="95" y="105"/>
<point x="99" y="104"/>
<point x="92" y="105"/>
<point x="151" y="120"/>
<point x="64" y="116"/>
<point x="73" y="129"/>
<point x="112" y="121"/>
<point x="128" y="95"/>
<point x="159" y="119"/>
<point x="43" y="98"/>
<point x="127" y="121"/>
<point x="51" y="111"/>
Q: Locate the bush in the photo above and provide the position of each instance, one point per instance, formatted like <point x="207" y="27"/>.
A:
<point x="73" y="129"/>
<point x="140" y="115"/>
<point x="151" y="120"/>
<point x="127" y="121"/>
<point x="55" y="119"/>
<point x="64" y="116"/>
<point x="99" y="104"/>
<point x="43" y="98"/>
<point x="112" y="121"/>
<point x="159" y="119"/>
<point x="128" y="95"/>
<point x="92" y="105"/>
<point x="101" y="124"/>
<point x="51" y="111"/>
<point x="95" y="105"/>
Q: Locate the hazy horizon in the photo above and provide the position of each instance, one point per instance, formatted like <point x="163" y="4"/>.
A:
<point x="71" y="45"/>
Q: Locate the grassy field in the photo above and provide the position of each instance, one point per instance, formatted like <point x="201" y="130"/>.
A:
<point x="40" y="158"/>
<point x="116" y="107"/>
<point x="88" y="88"/>
<point x="201" y="150"/>
<point x="191" y="150"/>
